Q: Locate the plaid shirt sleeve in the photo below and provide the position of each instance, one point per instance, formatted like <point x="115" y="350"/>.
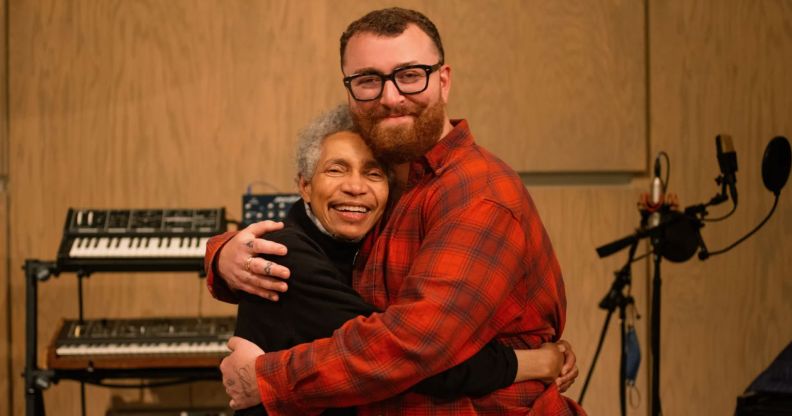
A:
<point x="464" y="287"/>
<point x="217" y="287"/>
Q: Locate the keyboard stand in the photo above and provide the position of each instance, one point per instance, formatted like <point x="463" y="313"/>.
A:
<point x="37" y="379"/>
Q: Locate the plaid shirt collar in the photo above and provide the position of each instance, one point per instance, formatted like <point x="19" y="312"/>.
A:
<point x="434" y="161"/>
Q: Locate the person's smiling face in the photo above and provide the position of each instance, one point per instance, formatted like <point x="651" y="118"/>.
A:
<point x="398" y="127"/>
<point x="349" y="188"/>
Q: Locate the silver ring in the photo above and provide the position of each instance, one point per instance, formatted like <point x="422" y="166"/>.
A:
<point x="268" y="268"/>
<point x="247" y="263"/>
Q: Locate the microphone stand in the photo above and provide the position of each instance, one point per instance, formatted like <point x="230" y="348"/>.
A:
<point x="613" y="299"/>
<point x="655" y="330"/>
<point x="694" y="216"/>
<point x="678" y="237"/>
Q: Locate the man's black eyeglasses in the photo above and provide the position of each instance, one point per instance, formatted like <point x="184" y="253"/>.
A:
<point x="411" y="79"/>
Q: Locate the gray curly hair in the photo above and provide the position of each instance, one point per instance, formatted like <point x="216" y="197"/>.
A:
<point x="310" y="138"/>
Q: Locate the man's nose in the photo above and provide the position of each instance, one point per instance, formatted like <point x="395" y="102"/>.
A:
<point x="391" y="96"/>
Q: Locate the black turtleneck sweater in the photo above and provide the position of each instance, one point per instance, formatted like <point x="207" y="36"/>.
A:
<point x="320" y="299"/>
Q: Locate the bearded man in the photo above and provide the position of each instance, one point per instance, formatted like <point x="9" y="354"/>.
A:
<point x="462" y="258"/>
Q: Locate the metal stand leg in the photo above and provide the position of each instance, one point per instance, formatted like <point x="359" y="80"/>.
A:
<point x="36" y="379"/>
<point x="656" y="408"/>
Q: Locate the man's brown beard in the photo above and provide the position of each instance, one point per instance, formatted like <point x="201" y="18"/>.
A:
<point x="402" y="144"/>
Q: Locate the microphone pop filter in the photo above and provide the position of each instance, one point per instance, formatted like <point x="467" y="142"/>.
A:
<point x="775" y="164"/>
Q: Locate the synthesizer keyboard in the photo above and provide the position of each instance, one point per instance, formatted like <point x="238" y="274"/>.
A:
<point x="140" y="343"/>
<point x="138" y="239"/>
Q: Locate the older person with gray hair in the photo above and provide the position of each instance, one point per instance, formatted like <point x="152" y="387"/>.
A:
<point x="344" y="193"/>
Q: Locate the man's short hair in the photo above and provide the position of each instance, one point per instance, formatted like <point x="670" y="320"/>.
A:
<point x="392" y="22"/>
<point x="309" y="141"/>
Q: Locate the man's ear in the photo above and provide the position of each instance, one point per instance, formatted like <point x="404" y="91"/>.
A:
<point x="305" y="189"/>
<point x="445" y="82"/>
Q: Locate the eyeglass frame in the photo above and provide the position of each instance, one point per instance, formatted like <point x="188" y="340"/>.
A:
<point x="392" y="77"/>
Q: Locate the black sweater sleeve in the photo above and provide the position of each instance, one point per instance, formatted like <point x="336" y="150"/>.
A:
<point x="319" y="301"/>
<point x="492" y="368"/>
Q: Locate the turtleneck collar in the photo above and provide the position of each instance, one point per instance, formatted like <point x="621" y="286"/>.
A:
<point x="320" y="227"/>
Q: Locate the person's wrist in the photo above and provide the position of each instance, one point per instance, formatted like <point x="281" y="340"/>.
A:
<point x="546" y="365"/>
<point x="221" y="262"/>
<point x="531" y="364"/>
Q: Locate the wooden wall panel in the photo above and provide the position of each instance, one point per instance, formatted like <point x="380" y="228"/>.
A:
<point x="551" y="86"/>
<point x="181" y="103"/>
<point x="129" y="104"/>
<point x="540" y="79"/>
<point x="721" y="67"/>
<point x="5" y="307"/>
<point x="3" y="96"/>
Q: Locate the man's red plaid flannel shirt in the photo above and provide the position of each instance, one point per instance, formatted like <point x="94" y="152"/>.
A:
<point x="463" y="258"/>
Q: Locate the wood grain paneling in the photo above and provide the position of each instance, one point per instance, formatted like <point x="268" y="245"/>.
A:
<point x="551" y="85"/>
<point x="3" y="96"/>
<point x="721" y="67"/>
<point x="181" y="103"/>
<point x="5" y="307"/>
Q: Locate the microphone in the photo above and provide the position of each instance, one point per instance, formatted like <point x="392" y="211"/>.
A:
<point x="656" y="196"/>
<point x="727" y="160"/>
<point x="775" y="172"/>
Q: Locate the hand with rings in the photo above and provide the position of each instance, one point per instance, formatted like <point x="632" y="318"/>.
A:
<point x="237" y="262"/>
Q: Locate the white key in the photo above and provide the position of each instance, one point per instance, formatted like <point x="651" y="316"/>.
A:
<point x="75" y="247"/>
<point x="112" y="249"/>
<point x="202" y="246"/>
<point x="152" y="248"/>
<point x="123" y="249"/>
<point x="173" y="247"/>
<point x="96" y="248"/>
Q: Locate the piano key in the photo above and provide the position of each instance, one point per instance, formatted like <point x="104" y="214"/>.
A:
<point x="103" y="247"/>
<point x="74" y="247"/>
<point x="124" y="247"/>
<point x="117" y="242"/>
<point x="143" y="349"/>
<point x="83" y="245"/>
<point x="195" y="247"/>
<point x="92" y="248"/>
<point x="138" y="247"/>
<point x="153" y="246"/>
<point x="173" y="248"/>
